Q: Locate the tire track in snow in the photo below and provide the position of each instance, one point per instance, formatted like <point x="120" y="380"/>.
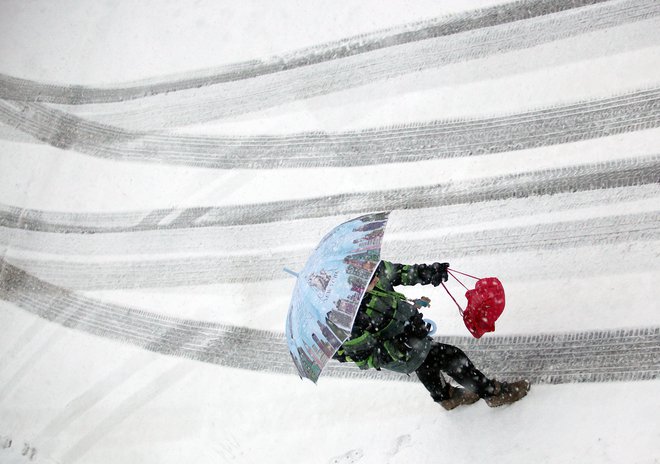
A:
<point x="394" y="144"/>
<point x="242" y="239"/>
<point x="241" y="97"/>
<point x="104" y="274"/>
<point x="579" y="178"/>
<point x="595" y="356"/>
<point x="22" y="89"/>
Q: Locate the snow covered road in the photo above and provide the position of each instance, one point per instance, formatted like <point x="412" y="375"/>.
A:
<point x="160" y="164"/>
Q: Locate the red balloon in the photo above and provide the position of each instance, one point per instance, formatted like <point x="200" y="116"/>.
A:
<point x="485" y="305"/>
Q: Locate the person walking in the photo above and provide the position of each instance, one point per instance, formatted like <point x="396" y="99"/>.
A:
<point x="389" y="333"/>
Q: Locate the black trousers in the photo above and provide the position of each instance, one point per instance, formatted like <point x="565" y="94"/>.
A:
<point x="454" y="362"/>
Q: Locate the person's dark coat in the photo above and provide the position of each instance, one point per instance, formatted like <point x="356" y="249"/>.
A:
<point x="389" y="331"/>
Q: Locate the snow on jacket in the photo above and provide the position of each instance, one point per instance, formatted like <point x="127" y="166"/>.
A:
<point x="389" y="332"/>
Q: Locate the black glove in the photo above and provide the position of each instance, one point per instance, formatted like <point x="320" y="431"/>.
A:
<point x="433" y="274"/>
<point x="417" y="327"/>
<point x="439" y="273"/>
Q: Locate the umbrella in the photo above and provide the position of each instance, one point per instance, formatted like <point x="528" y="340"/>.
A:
<point x="329" y="289"/>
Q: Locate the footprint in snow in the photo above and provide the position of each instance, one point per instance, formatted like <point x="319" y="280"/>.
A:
<point x="401" y="442"/>
<point x="349" y="457"/>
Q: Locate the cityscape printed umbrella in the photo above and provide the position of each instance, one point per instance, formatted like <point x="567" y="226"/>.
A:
<point x="329" y="289"/>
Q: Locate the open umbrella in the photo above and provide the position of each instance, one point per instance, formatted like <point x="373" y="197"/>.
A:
<point x="329" y="289"/>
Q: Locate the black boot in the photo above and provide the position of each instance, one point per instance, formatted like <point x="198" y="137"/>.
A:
<point x="507" y="393"/>
<point x="458" y="397"/>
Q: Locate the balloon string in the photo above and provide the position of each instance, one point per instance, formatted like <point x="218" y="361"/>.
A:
<point x="460" y="310"/>
<point x="456" y="278"/>
<point x="463" y="273"/>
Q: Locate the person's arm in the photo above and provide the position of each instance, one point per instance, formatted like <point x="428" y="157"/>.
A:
<point x="413" y="274"/>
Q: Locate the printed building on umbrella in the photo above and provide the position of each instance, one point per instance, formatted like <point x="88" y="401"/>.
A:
<point x="357" y="289"/>
<point x="357" y="285"/>
<point x="343" y="315"/>
<point x="368" y="266"/>
<point x="370" y="226"/>
<point x="358" y="272"/>
<point x="365" y="260"/>
<point x="326" y="347"/>
<point x="308" y="365"/>
<point x="330" y="336"/>
<point x="341" y="319"/>
<point x="375" y="235"/>
<point x="299" y="366"/>
<point x="341" y="333"/>
<point x="319" y="281"/>
<point x="370" y="241"/>
<point x="346" y="305"/>
<point x="315" y="352"/>
<point x="372" y="256"/>
<point x="367" y="246"/>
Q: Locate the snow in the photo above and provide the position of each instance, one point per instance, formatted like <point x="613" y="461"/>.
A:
<point x="148" y="407"/>
<point x="67" y="396"/>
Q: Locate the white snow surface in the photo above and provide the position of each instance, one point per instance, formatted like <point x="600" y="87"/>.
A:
<point x="67" y="396"/>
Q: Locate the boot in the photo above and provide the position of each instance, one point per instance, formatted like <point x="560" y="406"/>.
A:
<point x="457" y="397"/>
<point x="507" y="393"/>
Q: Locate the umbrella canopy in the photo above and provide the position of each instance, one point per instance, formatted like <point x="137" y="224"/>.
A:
<point x="329" y="289"/>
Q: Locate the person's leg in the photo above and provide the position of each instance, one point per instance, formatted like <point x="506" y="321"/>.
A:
<point x="456" y="364"/>
<point x="433" y="380"/>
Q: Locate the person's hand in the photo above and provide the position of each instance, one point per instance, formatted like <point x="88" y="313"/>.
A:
<point x="417" y="327"/>
<point x="439" y="273"/>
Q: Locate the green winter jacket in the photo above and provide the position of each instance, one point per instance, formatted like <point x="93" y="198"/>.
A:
<point x="389" y="332"/>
